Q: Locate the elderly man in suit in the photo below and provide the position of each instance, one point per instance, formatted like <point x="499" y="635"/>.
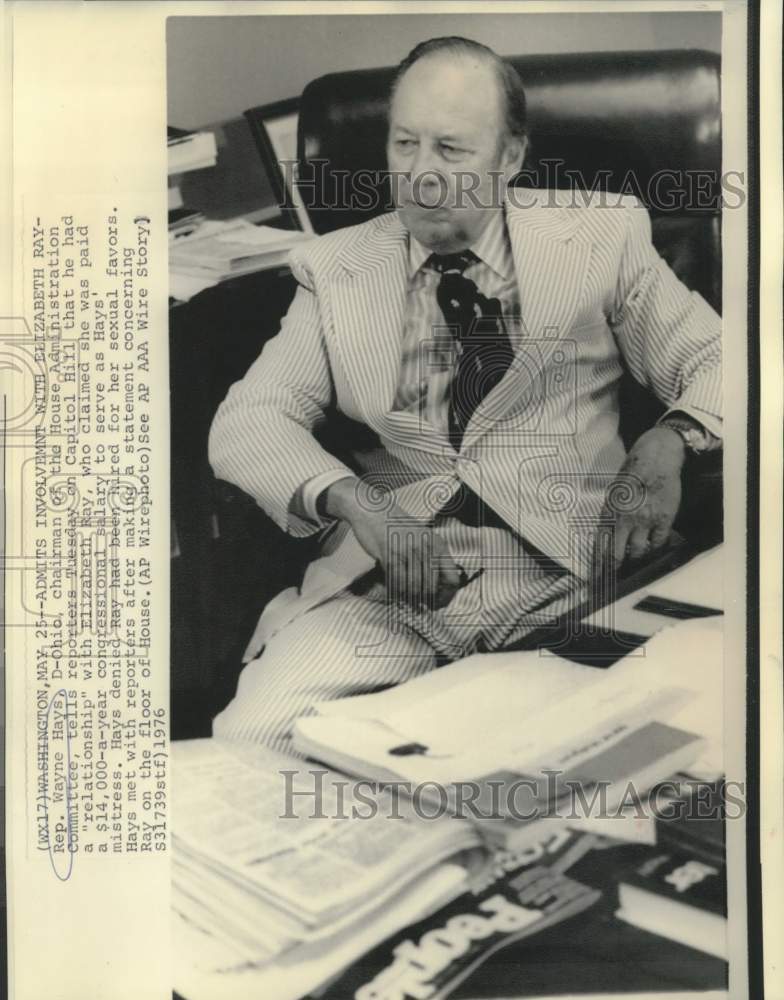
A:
<point x="481" y="338"/>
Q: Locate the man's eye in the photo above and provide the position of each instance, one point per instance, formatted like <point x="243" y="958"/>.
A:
<point x="405" y="143"/>
<point x="451" y="150"/>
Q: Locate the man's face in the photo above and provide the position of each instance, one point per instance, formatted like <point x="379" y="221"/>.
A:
<point x="445" y="139"/>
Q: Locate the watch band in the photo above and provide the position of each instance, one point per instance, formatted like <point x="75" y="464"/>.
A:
<point x="695" y="438"/>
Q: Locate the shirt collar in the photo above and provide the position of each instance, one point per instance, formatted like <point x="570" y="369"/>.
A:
<point x="492" y="248"/>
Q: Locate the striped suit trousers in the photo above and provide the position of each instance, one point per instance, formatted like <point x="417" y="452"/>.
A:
<point x="360" y="640"/>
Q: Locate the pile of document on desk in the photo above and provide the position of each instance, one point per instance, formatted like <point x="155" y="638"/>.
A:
<point x="527" y="731"/>
<point x="228" y="249"/>
<point x="287" y="878"/>
<point x="286" y="873"/>
<point x="217" y="250"/>
<point x="184" y="222"/>
<point x="280" y="863"/>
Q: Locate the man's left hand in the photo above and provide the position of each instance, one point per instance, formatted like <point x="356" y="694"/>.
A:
<point x="643" y="501"/>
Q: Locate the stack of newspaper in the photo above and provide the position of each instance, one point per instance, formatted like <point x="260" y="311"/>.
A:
<point x="283" y="869"/>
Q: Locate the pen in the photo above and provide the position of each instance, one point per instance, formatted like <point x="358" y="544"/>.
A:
<point x="465" y="579"/>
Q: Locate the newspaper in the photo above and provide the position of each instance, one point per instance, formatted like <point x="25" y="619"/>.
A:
<point x="297" y="835"/>
<point x="87" y="532"/>
<point x="270" y="891"/>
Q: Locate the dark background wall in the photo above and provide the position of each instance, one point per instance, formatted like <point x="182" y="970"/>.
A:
<point x="219" y="66"/>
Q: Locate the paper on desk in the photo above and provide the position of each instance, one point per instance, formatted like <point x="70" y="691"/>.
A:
<point x="223" y="241"/>
<point x="247" y="234"/>
<point x="198" y="955"/>
<point x="184" y="286"/>
<point x="487" y="702"/>
<point x="230" y="803"/>
<point x="625" y="825"/>
<point x="544" y="678"/>
<point x="483" y="721"/>
<point x="233" y="913"/>
<point x="700" y="581"/>
<point x="691" y="654"/>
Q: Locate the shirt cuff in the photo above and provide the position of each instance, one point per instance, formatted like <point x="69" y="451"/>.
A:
<point x="308" y="494"/>
<point x="709" y="421"/>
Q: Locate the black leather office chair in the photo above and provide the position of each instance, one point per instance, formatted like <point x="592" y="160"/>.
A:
<point x="642" y="123"/>
<point x="646" y="123"/>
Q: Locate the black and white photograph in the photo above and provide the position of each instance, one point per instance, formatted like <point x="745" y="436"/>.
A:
<point x="448" y="582"/>
<point x="391" y="515"/>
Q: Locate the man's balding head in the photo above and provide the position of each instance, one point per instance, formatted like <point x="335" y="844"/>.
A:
<point x="511" y="94"/>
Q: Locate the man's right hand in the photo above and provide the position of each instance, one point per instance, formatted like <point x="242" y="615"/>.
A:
<point x="416" y="562"/>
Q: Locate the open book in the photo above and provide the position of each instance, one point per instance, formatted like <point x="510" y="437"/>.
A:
<point x="530" y="726"/>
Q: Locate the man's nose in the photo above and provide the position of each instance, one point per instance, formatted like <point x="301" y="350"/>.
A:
<point x="428" y="184"/>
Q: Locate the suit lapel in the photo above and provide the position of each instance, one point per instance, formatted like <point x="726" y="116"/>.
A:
<point x="551" y="263"/>
<point x="369" y="305"/>
<point x="369" y="302"/>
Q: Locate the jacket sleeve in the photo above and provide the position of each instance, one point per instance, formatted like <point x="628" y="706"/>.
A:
<point x="669" y="336"/>
<point x="261" y="438"/>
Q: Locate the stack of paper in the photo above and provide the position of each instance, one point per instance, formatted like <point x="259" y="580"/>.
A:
<point x="274" y="859"/>
<point x="233" y="248"/>
<point x="504" y="722"/>
<point x="190" y="150"/>
<point x="201" y="973"/>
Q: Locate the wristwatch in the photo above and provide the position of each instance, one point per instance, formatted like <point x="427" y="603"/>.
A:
<point x="695" y="437"/>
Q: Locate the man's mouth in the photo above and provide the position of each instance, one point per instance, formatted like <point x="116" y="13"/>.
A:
<point x="437" y="207"/>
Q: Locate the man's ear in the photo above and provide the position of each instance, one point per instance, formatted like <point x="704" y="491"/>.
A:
<point x="514" y="154"/>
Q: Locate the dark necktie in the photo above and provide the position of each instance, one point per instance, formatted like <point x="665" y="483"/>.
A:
<point x="484" y="351"/>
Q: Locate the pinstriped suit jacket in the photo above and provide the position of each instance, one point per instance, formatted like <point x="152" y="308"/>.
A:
<point x="543" y="446"/>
